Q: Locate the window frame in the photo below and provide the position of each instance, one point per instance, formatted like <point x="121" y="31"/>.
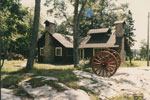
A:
<point x="82" y="54"/>
<point x="58" y="48"/>
<point x="41" y="48"/>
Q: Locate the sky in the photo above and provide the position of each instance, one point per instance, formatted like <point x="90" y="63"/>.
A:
<point x="139" y="9"/>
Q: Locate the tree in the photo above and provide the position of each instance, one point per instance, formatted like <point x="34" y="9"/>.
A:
<point x="62" y="28"/>
<point x="33" y="45"/>
<point x="129" y="36"/>
<point x="78" y="14"/>
<point x="11" y="17"/>
<point x="104" y="16"/>
<point x="143" y="50"/>
<point x="21" y="43"/>
<point x="0" y="63"/>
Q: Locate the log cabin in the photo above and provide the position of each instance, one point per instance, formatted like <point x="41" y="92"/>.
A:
<point x="58" y="48"/>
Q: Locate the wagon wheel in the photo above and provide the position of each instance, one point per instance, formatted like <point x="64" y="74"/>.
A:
<point x="104" y="64"/>
<point x="116" y="54"/>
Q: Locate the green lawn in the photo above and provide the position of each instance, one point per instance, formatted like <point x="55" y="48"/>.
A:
<point x="134" y="64"/>
<point x="13" y="75"/>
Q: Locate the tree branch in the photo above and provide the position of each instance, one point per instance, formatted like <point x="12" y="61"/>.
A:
<point x="81" y="10"/>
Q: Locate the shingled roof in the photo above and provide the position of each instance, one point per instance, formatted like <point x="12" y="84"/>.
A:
<point x="110" y="42"/>
<point x="65" y="40"/>
<point x="89" y="41"/>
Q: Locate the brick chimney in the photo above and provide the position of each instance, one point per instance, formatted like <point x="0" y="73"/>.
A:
<point x="120" y="28"/>
<point x="49" y="45"/>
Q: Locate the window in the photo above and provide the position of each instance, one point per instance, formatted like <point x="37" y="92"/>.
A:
<point x="81" y="53"/>
<point x="41" y="51"/>
<point x="58" y="51"/>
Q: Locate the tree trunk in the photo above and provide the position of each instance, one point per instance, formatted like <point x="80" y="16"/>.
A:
<point x="75" y="35"/>
<point x="77" y="19"/>
<point x="0" y="63"/>
<point x="33" y="45"/>
<point x="130" y="59"/>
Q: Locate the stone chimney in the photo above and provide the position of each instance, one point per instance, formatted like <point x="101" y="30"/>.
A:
<point x="120" y="31"/>
<point x="49" y="45"/>
<point x="120" y="28"/>
<point x="49" y="27"/>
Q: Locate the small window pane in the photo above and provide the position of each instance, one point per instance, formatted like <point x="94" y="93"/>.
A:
<point x="58" y="51"/>
<point x="41" y="51"/>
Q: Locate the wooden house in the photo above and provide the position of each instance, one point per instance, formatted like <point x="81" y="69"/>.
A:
<point x="58" y="48"/>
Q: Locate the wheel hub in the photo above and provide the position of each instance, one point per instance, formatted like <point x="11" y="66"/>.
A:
<point x="104" y="64"/>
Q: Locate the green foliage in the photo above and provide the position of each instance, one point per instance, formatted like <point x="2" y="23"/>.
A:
<point x="143" y="50"/>
<point x="58" y="8"/>
<point x="12" y="16"/>
<point x="11" y="81"/>
<point x="16" y="27"/>
<point x="129" y="28"/>
<point x="62" y="28"/>
<point x="83" y="64"/>
<point x="128" y="97"/>
<point x="104" y="16"/>
<point x="15" y="15"/>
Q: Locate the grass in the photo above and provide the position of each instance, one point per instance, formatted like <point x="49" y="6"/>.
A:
<point x="12" y="75"/>
<point x="38" y="82"/>
<point x="134" y="64"/>
<point x="23" y="94"/>
<point x="127" y="97"/>
<point x="11" y="80"/>
<point x="94" y="97"/>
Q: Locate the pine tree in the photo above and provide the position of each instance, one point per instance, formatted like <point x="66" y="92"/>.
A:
<point x="129" y="36"/>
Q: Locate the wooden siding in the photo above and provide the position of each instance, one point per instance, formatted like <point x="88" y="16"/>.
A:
<point x="41" y="43"/>
<point x="67" y="53"/>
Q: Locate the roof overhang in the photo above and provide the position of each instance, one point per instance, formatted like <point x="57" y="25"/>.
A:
<point x="99" y="45"/>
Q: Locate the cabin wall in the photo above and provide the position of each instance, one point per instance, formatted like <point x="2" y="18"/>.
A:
<point x="67" y="54"/>
<point x="49" y="56"/>
<point x="41" y="43"/>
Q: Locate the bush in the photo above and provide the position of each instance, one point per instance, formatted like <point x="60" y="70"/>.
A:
<point x="84" y="64"/>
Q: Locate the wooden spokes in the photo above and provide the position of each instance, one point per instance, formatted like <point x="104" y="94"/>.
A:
<point x="116" y="54"/>
<point x="104" y="64"/>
